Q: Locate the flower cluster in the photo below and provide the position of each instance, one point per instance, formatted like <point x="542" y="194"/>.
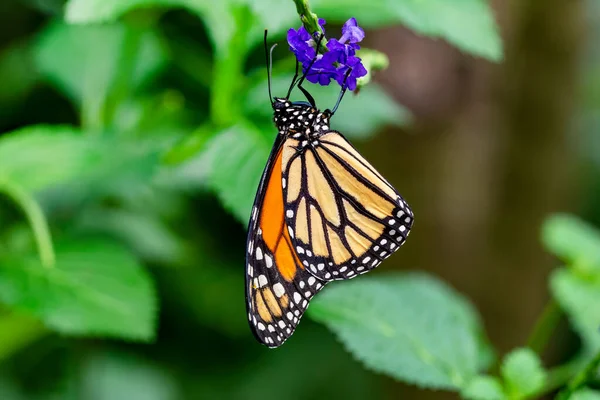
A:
<point x="339" y="62"/>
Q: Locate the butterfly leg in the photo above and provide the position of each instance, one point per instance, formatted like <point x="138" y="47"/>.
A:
<point x="342" y="92"/>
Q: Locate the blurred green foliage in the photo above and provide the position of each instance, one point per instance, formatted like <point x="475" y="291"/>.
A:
<point x="153" y="119"/>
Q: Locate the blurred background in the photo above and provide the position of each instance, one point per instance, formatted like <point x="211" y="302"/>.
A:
<point x="177" y="129"/>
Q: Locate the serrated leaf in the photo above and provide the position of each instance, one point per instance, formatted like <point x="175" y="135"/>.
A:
<point x="484" y="388"/>
<point x="235" y="160"/>
<point x="580" y="299"/>
<point x="523" y="373"/>
<point x="85" y="62"/>
<point x="466" y="24"/>
<point x="586" y="394"/>
<point x="573" y="240"/>
<point x="359" y="116"/>
<point x="95" y="289"/>
<point x="409" y="326"/>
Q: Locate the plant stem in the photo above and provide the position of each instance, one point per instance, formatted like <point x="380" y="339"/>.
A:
<point x="309" y="19"/>
<point x="544" y="327"/>
<point x="581" y="378"/>
<point x="36" y="219"/>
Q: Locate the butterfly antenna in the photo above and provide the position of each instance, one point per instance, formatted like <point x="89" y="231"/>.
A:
<point x="269" y="62"/>
<point x="342" y="92"/>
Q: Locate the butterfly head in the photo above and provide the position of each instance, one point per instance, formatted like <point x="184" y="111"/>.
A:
<point x="293" y="116"/>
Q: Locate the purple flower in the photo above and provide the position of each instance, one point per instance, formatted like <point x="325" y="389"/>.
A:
<point x="357" y="69"/>
<point x="344" y="50"/>
<point x="352" y="32"/>
<point x="323" y="70"/>
<point x="322" y="23"/>
<point x="299" y="42"/>
<point x="339" y="58"/>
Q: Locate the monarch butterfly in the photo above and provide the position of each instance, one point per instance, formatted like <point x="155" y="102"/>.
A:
<point x="321" y="213"/>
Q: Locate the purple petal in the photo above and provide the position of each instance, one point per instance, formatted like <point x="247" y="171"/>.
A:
<point x="349" y="23"/>
<point x="343" y="51"/>
<point x="322" y="24"/>
<point x="352" y="32"/>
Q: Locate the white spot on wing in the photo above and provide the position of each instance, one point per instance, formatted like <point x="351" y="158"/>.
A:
<point x="278" y="289"/>
<point x="262" y="280"/>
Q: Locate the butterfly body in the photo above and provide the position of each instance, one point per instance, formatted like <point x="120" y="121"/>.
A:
<point x="321" y="213"/>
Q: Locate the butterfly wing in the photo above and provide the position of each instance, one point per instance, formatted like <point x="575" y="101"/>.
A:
<point x="344" y="217"/>
<point x="278" y="288"/>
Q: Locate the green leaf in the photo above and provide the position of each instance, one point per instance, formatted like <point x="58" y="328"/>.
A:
<point x="43" y="156"/>
<point x="580" y="299"/>
<point x="96" y="65"/>
<point x="359" y="116"/>
<point x="523" y="373"/>
<point x="81" y="59"/>
<point x="217" y="15"/>
<point x="95" y="289"/>
<point x="484" y="388"/>
<point x="93" y="11"/>
<point x="235" y="160"/>
<point x="409" y="326"/>
<point x="466" y="24"/>
<point x="191" y="145"/>
<point x="585" y="394"/>
<point x="574" y="241"/>
<point x="40" y="156"/>
<point x="276" y="15"/>
<point x="142" y="231"/>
